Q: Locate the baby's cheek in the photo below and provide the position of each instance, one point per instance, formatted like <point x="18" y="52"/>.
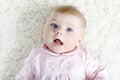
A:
<point x="73" y="38"/>
<point x="75" y="41"/>
<point x="48" y="33"/>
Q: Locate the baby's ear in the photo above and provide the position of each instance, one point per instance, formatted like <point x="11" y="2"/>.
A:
<point x="81" y="37"/>
<point x="80" y="40"/>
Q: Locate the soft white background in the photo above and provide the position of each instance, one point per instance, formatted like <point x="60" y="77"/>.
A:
<point x="21" y="24"/>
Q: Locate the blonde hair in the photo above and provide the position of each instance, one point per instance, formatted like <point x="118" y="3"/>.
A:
<point x="69" y="10"/>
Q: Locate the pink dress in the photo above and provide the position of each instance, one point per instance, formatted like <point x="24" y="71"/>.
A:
<point x="42" y="64"/>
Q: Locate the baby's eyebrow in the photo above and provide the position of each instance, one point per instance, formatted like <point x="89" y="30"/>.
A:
<point x="53" y="19"/>
<point x="71" y="24"/>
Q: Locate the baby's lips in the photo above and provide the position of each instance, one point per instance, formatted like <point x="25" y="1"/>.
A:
<point x="58" y="41"/>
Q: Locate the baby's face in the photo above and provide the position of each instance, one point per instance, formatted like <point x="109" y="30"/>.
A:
<point x="62" y="33"/>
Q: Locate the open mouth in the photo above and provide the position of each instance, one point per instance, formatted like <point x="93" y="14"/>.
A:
<point x="58" y="41"/>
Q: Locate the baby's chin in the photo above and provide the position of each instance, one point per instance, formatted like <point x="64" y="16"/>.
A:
<point x="61" y="50"/>
<point x="57" y="51"/>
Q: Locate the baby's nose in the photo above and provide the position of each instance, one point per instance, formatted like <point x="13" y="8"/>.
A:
<point x="59" y="32"/>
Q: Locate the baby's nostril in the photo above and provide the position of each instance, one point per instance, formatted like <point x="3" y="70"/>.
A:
<point x="58" y="33"/>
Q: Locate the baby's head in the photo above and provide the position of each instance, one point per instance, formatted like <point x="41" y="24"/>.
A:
<point x="64" y="29"/>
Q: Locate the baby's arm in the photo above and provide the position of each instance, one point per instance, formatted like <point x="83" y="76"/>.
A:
<point x="94" y="71"/>
<point x="26" y="71"/>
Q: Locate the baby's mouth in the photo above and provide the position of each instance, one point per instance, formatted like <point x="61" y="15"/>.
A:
<point x="58" y="41"/>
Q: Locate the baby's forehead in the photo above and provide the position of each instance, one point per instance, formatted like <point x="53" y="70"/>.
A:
<point x="54" y="14"/>
<point x="62" y="13"/>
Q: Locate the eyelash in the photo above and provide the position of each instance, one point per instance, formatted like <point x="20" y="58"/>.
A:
<point x="69" y="29"/>
<point x="53" y="25"/>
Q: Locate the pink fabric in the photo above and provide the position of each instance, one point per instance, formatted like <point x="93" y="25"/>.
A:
<point x="42" y="64"/>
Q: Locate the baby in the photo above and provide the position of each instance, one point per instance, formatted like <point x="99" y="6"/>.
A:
<point x="60" y="57"/>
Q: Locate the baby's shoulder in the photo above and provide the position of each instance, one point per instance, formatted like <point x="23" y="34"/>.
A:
<point x="84" y="53"/>
<point x="34" y="52"/>
<point x="37" y="50"/>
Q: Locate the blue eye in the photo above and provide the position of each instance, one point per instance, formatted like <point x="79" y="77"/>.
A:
<point x="69" y="29"/>
<point x="53" y="25"/>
